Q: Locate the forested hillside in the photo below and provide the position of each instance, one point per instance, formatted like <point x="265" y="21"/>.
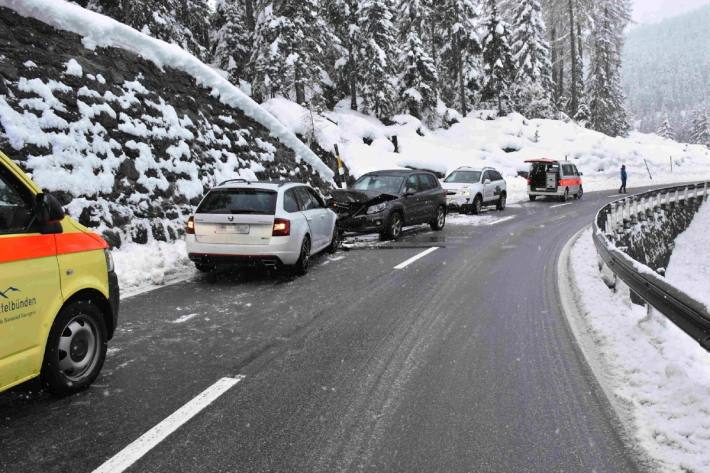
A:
<point x="436" y="60"/>
<point x="667" y="76"/>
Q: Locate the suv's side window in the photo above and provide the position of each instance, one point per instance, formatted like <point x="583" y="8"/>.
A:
<point x="487" y="175"/>
<point x="412" y="184"/>
<point x="433" y="181"/>
<point x="290" y="201"/>
<point x="495" y="176"/>
<point x="424" y="183"/>
<point x="15" y="205"/>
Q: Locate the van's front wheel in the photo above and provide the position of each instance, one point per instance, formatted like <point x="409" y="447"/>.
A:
<point x="76" y="349"/>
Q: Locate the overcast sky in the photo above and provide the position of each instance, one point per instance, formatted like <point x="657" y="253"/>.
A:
<point x="653" y="11"/>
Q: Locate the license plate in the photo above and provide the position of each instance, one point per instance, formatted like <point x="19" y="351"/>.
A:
<point x="238" y="229"/>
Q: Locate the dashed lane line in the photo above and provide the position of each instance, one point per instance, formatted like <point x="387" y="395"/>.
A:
<point x="149" y="440"/>
<point x="414" y="258"/>
<point x="561" y="205"/>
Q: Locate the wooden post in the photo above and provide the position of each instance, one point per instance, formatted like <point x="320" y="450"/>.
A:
<point x="341" y="171"/>
<point x="647" y="169"/>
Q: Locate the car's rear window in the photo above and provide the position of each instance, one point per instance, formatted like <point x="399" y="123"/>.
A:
<point x="239" y="201"/>
<point x="383" y="183"/>
<point x="464" y="177"/>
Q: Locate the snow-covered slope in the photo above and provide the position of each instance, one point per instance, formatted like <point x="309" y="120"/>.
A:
<point x="480" y="140"/>
<point x="129" y="144"/>
<point x="689" y="269"/>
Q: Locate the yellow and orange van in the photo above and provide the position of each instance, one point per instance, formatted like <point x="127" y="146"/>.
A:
<point x="58" y="290"/>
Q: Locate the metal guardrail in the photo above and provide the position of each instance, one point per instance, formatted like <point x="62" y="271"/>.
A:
<point x="689" y="314"/>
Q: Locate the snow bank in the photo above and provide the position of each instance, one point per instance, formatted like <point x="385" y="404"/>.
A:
<point x="504" y="143"/>
<point x="99" y="30"/>
<point x="150" y="264"/>
<point x="689" y="269"/>
<point x="657" y="376"/>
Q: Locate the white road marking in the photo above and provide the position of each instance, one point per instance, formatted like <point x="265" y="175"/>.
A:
<point x="184" y="318"/>
<point x="501" y="220"/>
<point x="146" y="442"/>
<point x="616" y="195"/>
<point x="560" y="205"/>
<point x="411" y="260"/>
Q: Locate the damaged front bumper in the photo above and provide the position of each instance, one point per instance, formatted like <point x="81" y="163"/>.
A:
<point x="352" y="206"/>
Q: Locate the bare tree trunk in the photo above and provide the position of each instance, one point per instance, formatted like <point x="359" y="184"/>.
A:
<point x="574" y="97"/>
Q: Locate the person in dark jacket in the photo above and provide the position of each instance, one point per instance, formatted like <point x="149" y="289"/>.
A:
<point x="622" y="189"/>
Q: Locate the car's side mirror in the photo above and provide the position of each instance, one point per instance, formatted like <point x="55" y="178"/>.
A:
<point x="48" y="213"/>
<point x="487" y="181"/>
<point x="409" y="191"/>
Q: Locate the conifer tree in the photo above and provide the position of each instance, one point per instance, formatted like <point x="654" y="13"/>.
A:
<point x="531" y="56"/>
<point x="347" y="38"/>
<point x="497" y="60"/>
<point x="378" y="55"/>
<point x="232" y="39"/>
<point x="605" y="97"/>
<point x="458" y="48"/>
<point x="418" y="85"/>
<point x="666" y="130"/>
<point x="700" y="129"/>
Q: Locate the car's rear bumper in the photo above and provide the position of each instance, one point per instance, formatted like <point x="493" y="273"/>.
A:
<point x="282" y="250"/>
<point x="559" y="192"/>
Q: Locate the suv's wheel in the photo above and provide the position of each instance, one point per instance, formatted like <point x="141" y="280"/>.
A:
<point x="477" y="205"/>
<point x="335" y="241"/>
<point x="502" y="201"/>
<point x="532" y="198"/>
<point x="393" y="230"/>
<point x="304" y="258"/>
<point x="440" y="220"/>
<point x="565" y="196"/>
<point x="76" y="349"/>
<point x="580" y="192"/>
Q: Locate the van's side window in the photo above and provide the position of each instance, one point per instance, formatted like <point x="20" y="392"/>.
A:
<point x="15" y="208"/>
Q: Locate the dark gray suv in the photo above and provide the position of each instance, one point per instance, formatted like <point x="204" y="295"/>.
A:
<point x="386" y="201"/>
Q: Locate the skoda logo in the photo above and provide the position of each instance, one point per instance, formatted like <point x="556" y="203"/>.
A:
<point x="230" y="218"/>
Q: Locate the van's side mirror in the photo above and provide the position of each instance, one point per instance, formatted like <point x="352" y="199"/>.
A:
<point x="48" y="212"/>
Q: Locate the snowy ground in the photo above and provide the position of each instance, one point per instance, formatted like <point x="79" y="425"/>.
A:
<point x="689" y="269"/>
<point x="140" y="267"/>
<point x="657" y="377"/>
<point x="504" y="143"/>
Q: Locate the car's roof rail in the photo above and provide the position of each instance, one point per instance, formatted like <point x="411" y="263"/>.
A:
<point x="239" y="179"/>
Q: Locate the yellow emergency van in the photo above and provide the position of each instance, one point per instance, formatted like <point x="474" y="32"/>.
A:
<point x="58" y="290"/>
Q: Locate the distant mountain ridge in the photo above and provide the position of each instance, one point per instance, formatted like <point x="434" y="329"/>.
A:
<point x="667" y="71"/>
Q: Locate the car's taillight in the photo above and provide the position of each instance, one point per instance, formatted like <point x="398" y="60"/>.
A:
<point x="282" y="227"/>
<point x="190" y="227"/>
<point x="529" y="181"/>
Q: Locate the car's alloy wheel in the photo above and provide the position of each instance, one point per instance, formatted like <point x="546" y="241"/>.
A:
<point x="477" y="205"/>
<point x="395" y="226"/>
<point x="501" y="202"/>
<point x="440" y="221"/>
<point x="76" y="349"/>
<point x="304" y="259"/>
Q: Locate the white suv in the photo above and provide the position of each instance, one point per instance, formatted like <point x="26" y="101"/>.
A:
<point x="252" y="223"/>
<point x="469" y="189"/>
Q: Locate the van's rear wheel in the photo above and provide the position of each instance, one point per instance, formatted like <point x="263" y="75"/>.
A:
<point x="76" y="349"/>
<point x="532" y="198"/>
<point x="580" y="193"/>
<point x="565" y="196"/>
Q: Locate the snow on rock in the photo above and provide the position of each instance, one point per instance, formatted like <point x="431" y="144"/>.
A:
<point x="479" y="139"/>
<point x="150" y="264"/>
<point x="101" y="31"/>
<point x="689" y="269"/>
<point x="657" y="377"/>
<point x="127" y="147"/>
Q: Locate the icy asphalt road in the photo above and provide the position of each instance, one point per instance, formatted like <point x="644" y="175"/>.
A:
<point x="460" y="362"/>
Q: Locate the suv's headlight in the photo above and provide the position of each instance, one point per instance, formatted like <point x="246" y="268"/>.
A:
<point x="373" y="209"/>
<point x="109" y="261"/>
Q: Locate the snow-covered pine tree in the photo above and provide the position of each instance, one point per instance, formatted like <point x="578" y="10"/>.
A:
<point x="605" y="97"/>
<point x="377" y="57"/>
<point x="531" y="55"/>
<point x="666" y="130"/>
<point x="419" y="78"/>
<point x="497" y="60"/>
<point x="183" y="22"/>
<point x="232" y="38"/>
<point x="458" y="47"/>
<point x="343" y="18"/>
<point x="289" y="49"/>
<point x="700" y="129"/>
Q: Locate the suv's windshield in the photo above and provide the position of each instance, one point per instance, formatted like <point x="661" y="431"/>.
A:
<point x="239" y="201"/>
<point x="382" y="183"/>
<point x="464" y="177"/>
